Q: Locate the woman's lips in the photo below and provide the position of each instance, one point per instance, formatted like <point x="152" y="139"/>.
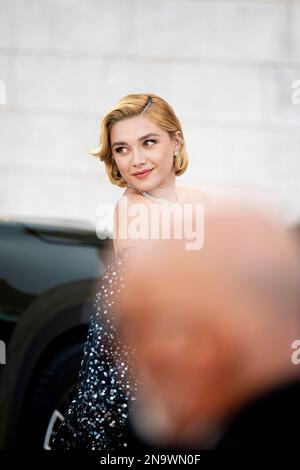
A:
<point x="143" y="175"/>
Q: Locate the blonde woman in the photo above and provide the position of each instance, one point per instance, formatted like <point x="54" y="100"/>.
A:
<point x="143" y="149"/>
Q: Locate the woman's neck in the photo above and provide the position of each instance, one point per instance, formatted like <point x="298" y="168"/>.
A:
<point x="168" y="192"/>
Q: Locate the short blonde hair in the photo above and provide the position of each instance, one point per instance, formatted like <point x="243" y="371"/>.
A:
<point x="154" y="108"/>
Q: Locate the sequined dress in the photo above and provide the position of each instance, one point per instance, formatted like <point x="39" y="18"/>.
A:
<point x="97" y="418"/>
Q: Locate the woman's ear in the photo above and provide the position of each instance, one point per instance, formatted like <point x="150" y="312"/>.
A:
<point x="178" y="141"/>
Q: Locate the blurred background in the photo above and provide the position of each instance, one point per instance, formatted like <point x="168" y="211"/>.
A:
<point x="227" y="68"/>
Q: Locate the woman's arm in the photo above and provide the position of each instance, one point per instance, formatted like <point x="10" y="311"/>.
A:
<point x="125" y="216"/>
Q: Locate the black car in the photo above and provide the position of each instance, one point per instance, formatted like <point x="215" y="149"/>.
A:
<point x="48" y="277"/>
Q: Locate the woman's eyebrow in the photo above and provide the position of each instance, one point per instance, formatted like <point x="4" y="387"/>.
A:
<point x="140" y="138"/>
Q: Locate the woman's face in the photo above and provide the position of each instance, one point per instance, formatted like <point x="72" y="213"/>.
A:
<point x="138" y="145"/>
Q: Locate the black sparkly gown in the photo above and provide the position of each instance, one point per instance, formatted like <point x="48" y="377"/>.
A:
<point x="97" y="418"/>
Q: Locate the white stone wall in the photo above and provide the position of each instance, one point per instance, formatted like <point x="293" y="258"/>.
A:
<point x="227" y="68"/>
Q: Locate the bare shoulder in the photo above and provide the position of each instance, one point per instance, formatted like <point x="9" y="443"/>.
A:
<point x="199" y="194"/>
<point x="121" y="213"/>
<point x="193" y="194"/>
<point x="122" y="219"/>
<point x="129" y="197"/>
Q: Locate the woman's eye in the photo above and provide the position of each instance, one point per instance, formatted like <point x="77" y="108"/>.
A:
<point x="150" y="140"/>
<point x="118" y="149"/>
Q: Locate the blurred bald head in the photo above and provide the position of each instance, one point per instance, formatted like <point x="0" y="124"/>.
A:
<point x="212" y="327"/>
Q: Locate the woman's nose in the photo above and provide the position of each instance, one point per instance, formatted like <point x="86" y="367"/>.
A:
<point x="138" y="158"/>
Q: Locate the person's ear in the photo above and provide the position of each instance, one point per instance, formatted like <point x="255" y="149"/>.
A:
<point x="177" y="140"/>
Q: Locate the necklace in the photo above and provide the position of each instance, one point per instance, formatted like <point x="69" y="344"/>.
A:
<point x="152" y="197"/>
